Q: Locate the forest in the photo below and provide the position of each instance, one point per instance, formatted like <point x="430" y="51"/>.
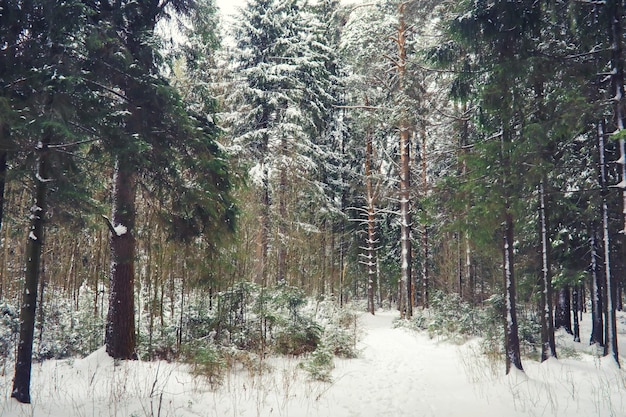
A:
<point x="172" y="185"/>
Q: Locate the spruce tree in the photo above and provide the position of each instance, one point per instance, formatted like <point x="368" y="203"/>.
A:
<point x="155" y="140"/>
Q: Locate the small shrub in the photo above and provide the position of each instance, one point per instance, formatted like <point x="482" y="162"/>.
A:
<point x="206" y="360"/>
<point x="9" y="330"/>
<point x="298" y="339"/>
<point x="319" y="364"/>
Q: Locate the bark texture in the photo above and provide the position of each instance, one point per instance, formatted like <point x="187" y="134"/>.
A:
<point x="512" y="346"/>
<point x="406" y="306"/>
<point x="23" y="364"/>
<point x="120" y="332"/>
<point x="548" y="345"/>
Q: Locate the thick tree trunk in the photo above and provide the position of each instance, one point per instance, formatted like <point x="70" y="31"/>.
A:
<point x="548" y="346"/>
<point x="120" y="331"/>
<point x="562" y="318"/>
<point x="597" y="323"/>
<point x="512" y="344"/>
<point x="23" y="364"/>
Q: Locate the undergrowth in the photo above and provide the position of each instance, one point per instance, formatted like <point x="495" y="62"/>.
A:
<point x="451" y="318"/>
<point x="238" y="327"/>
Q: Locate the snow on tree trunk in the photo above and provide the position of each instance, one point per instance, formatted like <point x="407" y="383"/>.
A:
<point x="23" y="363"/>
<point x="610" y="294"/>
<point x="512" y="345"/>
<point x="406" y="307"/>
<point x="617" y="91"/>
<point x="548" y="347"/>
<point x="120" y="330"/>
<point x="371" y="259"/>
<point x="425" y="241"/>
<point x="575" y="310"/>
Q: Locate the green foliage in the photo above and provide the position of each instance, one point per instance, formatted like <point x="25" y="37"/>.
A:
<point x="298" y="339"/>
<point x="206" y="360"/>
<point x="448" y="316"/>
<point x="9" y="330"/>
<point x="451" y="318"/>
<point x="319" y="365"/>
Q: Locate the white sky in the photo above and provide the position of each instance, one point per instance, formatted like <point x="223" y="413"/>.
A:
<point x="229" y="7"/>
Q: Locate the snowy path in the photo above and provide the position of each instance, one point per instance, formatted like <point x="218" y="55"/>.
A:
<point x="400" y="373"/>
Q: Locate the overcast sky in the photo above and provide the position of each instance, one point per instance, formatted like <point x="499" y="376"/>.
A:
<point x="228" y="7"/>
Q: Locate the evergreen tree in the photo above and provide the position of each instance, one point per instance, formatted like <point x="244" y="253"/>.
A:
<point x="283" y="96"/>
<point x="154" y="140"/>
<point x="49" y="97"/>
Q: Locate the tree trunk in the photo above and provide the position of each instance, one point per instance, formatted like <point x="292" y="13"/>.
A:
<point x="562" y="318"/>
<point x="575" y="310"/>
<point x="597" y="323"/>
<point x="3" y="177"/>
<point x="23" y="364"/>
<point x="282" y="218"/>
<point x="548" y="346"/>
<point x="120" y="331"/>
<point x="617" y="89"/>
<point x="263" y="233"/>
<point x="610" y="294"/>
<point x="406" y="307"/>
<point x="425" y="241"/>
<point x="370" y="262"/>
<point x="513" y="357"/>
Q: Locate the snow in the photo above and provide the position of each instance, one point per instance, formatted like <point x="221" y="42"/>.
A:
<point x="399" y="373"/>
<point x="120" y="230"/>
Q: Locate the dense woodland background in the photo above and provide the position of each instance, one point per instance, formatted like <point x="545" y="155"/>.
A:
<point x="167" y="179"/>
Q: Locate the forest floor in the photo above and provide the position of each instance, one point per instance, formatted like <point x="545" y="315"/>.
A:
<point x="398" y="373"/>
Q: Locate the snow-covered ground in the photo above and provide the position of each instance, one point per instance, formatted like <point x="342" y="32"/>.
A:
<point x="398" y="373"/>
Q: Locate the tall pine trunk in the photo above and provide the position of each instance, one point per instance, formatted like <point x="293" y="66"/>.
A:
<point x="23" y="364"/>
<point x="406" y="305"/>
<point x="120" y="331"/>
<point x="425" y="242"/>
<point x="371" y="262"/>
<point x="281" y="242"/>
<point x="576" y="309"/>
<point x="617" y="90"/>
<point x="512" y="345"/>
<point x="610" y="294"/>
<point x="3" y="175"/>
<point x="597" y="322"/>
<point x="263" y="231"/>
<point x="548" y="346"/>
